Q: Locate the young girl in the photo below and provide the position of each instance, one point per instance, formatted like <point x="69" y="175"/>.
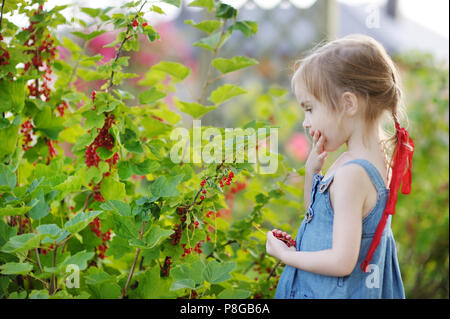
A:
<point x="345" y="247"/>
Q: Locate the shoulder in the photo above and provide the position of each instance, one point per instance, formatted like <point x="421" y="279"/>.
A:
<point x="351" y="182"/>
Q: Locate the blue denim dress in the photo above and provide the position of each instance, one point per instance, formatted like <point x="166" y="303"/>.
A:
<point x="383" y="280"/>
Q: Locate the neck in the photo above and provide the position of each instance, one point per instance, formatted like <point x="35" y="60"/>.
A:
<point x="360" y="146"/>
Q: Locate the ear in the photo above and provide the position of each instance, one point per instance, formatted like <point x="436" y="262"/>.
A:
<point x="350" y="103"/>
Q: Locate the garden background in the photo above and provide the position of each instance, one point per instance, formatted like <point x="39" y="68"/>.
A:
<point x="89" y="97"/>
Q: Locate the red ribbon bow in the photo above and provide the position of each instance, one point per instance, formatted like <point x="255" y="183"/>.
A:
<point x="403" y="155"/>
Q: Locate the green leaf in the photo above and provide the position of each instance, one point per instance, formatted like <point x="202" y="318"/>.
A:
<point x="208" y="26"/>
<point x="112" y="189"/>
<point x="8" y="178"/>
<point x="231" y="65"/>
<point x="41" y="208"/>
<point x="166" y="186"/>
<point x="226" y="11"/>
<point x="231" y="293"/>
<point x="124" y="169"/>
<point x="15" y="268"/>
<point x="183" y="283"/>
<point x="70" y="45"/>
<point x="50" y="230"/>
<point x="193" y="109"/>
<point x="104" y="153"/>
<point x="175" y="3"/>
<point x="225" y="92"/>
<point x="117" y="206"/>
<point x="217" y="272"/>
<point x="12" y="95"/>
<point x="146" y="167"/>
<point x="8" y="136"/>
<point x="246" y="27"/>
<point x="156" y="234"/>
<point x="21" y="243"/>
<point x="88" y="36"/>
<point x="91" y="12"/>
<point x="80" y="221"/>
<point x="193" y="271"/>
<point x="150" y="96"/>
<point x="208" y="4"/>
<point x="14" y="211"/>
<point x="93" y="120"/>
<point x="214" y="41"/>
<point x="80" y="259"/>
<point x="177" y="70"/>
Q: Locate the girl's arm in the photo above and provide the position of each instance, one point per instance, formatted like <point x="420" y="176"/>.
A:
<point x="350" y="190"/>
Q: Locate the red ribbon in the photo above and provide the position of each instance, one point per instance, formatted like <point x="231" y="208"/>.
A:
<point x="402" y="156"/>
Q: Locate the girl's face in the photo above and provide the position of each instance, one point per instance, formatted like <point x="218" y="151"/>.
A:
<point x="320" y="118"/>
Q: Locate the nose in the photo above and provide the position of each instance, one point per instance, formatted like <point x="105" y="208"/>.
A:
<point x="306" y="124"/>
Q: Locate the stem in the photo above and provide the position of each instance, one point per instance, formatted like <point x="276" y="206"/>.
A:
<point x="52" y="289"/>
<point x="1" y="16"/>
<point x="136" y="256"/>
<point x="208" y="82"/>
<point x="121" y="46"/>
<point x="273" y="269"/>
<point x="35" y="250"/>
<point x="86" y="202"/>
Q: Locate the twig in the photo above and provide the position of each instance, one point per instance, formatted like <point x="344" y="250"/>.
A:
<point x="136" y="256"/>
<point x="52" y="289"/>
<point x="273" y="269"/>
<point x="216" y="49"/>
<point x="35" y="250"/>
<point x="1" y="16"/>
<point x="86" y="202"/>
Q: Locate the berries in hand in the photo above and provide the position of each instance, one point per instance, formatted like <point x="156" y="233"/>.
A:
<point x="285" y="239"/>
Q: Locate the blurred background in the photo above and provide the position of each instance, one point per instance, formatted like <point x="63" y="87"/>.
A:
<point x="414" y="32"/>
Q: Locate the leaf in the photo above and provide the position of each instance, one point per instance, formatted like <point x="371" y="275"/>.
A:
<point x="21" y="243"/>
<point x="193" y="109"/>
<point x="12" y="95"/>
<point x="124" y="170"/>
<point x="208" y="4"/>
<point x="15" y="268"/>
<point x="14" y="211"/>
<point x="183" y="283"/>
<point x="226" y="11"/>
<point x="112" y="189"/>
<point x="80" y="221"/>
<point x="166" y="186"/>
<point x="246" y="27"/>
<point x="91" y="12"/>
<point x="50" y="230"/>
<point x="214" y="41"/>
<point x="217" y="272"/>
<point x="208" y="26"/>
<point x="88" y="36"/>
<point x="225" y="92"/>
<point x="233" y="64"/>
<point x="175" y="3"/>
<point x="93" y="120"/>
<point x="8" y="136"/>
<point x="231" y="293"/>
<point x="157" y="234"/>
<point x="150" y="96"/>
<point x="70" y="45"/>
<point x="8" y="178"/>
<point x="41" y="208"/>
<point x="80" y="259"/>
<point x="117" y="206"/>
<point x="177" y="70"/>
<point x="193" y="271"/>
<point x="146" y="167"/>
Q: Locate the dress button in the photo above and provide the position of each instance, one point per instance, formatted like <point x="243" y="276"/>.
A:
<point x="309" y="214"/>
<point x="323" y="187"/>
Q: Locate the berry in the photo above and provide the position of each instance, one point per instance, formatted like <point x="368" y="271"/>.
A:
<point x="135" y="23"/>
<point x="288" y="242"/>
<point x="144" y="24"/>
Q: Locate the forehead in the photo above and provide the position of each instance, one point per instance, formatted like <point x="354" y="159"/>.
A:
<point x="301" y="93"/>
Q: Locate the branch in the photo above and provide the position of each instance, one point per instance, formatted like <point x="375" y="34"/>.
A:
<point x="1" y="16"/>
<point x="35" y="250"/>
<point x="136" y="256"/>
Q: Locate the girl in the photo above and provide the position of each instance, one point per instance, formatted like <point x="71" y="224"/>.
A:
<point x="345" y="247"/>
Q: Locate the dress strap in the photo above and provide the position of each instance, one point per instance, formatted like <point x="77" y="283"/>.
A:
<point x="373" y="173"/>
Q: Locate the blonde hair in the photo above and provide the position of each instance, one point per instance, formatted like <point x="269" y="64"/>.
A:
<point x="357" y="64"/>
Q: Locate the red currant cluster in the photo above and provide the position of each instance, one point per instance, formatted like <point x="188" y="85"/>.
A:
<point x="203" y="191"/>
<point x="197" y="248"/>
<point x="97" y="194"/>
<point x="135" y="24"/>
<point x="95" y="227"/>
<point x="227" y="180"/>
<point x="284" y="238"/>
<point x="27" y="130"/>
<point x="51" y="150"/>
<point x="103" y="139"/>
<point x="165" y="268"/>
<point x="4" y="58"/>
<point x="178" y="229"/>
<point x="62" y="107"/>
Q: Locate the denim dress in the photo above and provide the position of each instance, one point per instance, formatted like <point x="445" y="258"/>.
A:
<point x="383" y="280"/>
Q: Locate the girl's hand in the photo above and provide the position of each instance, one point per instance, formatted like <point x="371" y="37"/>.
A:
<point x="317" y="156"/>
<point x="275" y="247"/>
